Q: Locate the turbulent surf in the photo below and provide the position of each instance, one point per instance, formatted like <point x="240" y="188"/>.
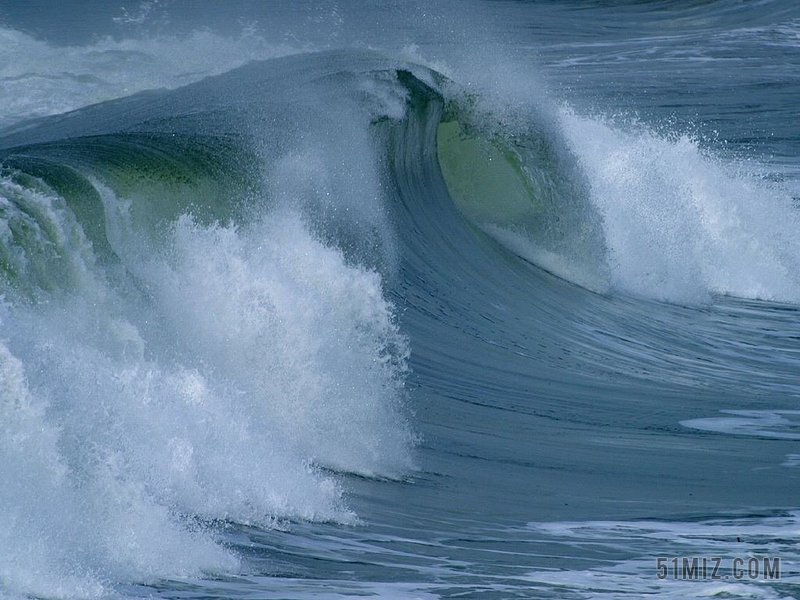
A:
<point x="333" y="300"/>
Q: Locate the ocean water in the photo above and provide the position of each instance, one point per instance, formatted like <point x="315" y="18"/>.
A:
<point x="458" y="300"/>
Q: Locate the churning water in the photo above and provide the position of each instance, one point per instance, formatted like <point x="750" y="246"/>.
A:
<point x="486" y="299"/>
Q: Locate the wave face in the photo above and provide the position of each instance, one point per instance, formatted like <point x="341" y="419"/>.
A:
<point x="418" y="320"/>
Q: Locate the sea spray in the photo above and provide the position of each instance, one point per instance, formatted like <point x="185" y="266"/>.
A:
<point x="238" y="362"/>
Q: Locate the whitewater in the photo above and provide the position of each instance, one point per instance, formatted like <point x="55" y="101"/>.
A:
<point x="483" y="299"/>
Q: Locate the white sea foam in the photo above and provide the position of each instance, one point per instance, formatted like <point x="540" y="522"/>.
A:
<point x="248" y="358"/>
<point x="778" y="424"/>
<point x="680" y="223"/>
<point x="676" y="222"/>
<point x="643" y="541"/>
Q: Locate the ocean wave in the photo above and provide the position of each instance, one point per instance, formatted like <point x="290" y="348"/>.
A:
<point x="217" y="300"/>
